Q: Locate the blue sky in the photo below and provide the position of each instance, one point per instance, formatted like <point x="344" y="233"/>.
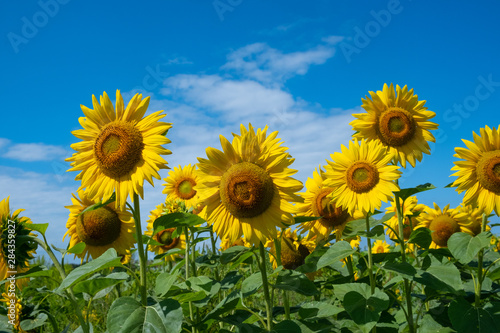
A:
<point x="301" y="68"/>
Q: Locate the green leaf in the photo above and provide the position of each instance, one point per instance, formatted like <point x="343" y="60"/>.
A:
<point x="251" y="284"/>
<point x="341" y="289"/>
<point x="408" y="192"/>
<point x="286" y="326"/>
<point x="230" y="280"/>
<point x="127" y="315"/>
<point x="107" y="259"/>
<point x="77" y="248"/>
<point x="464" y="247"/>
<point x="295" y="281"/>
<point x="402" y="268"/>
<point x="30" y="324"/>
<point x="440" y="275"/>
<point x="100" y="204"/>
<point x="358" y="228"/>
<point x="335" y="253"/>
<point x="200" y="283"/>
<point x="232" y="254"/>
<point x="174" y="220"/>
<point x="93" y="286"/>
<point x="466" y="318"/>
<point x="422" y="237"/>
<point x="40" y="227"/>
<point x="365" y="311"/>
<point x="315" y="310"/>
<point x="227" y="304"/>
<point x="164" y="282"/>
<point x="35" y="271"/>
<point x="429" y="325"/>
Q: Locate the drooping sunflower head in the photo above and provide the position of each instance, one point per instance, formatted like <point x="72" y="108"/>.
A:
<point x="399" y="121"/>
<point x="294" y="250"/>
<point x="166" y="239"/>
<point x="479" y="170"/>
<point x="180" y="185"/>
<point x="361" y="176"/>
<point x="380" y="246"/>
<point x="120" y="148"/>
<point x="475" y="219"/>
<point x="443" y="223"/>
<point x="14" y="226"/>
<point x="100" y="229"/>
<point x="316" y="203"/>
<point x="247" y="187"/>
<point x="411" y="209"/>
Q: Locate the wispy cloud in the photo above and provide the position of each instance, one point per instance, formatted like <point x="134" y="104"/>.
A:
<point x="33" y="152"/>
<point x="265" y="64"/>
<point x="4" y="142"/>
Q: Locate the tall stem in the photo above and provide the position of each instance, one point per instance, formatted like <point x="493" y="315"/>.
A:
<point x="186" y="258"/>
<point x="62" y="273"/>
<point x="370" y="260"/>
<point x="480" y="276"/>
<point x="265" y="284"/>
<point x="140" y="249"/>
<point x="407" y="283"/>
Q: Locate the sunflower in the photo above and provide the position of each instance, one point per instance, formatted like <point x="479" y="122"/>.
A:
<point x="354" y="242"/>
<point x="399" y="121"/>
<point x="225" y="243"/>
<point x="443" y="223"/>
<point x="102" y="228"/>
<point x="479" y="172"/>
<point x="410" y="207"/>
<point x="361" y="176"/>
<point x="316" y="203"/>
<point x="475" y="217"/>
<point x="120" y="148"/>
<point x="247" y="188"/>
<point x="294" y="250"/>
<point x="165" y="237"/>
<point x="14" y="256"/>
<point x="180" y="185"/>
<point x="380" y="246"/>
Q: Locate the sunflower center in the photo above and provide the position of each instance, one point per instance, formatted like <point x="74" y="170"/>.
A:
<point x="246" y="190"/>
<point x="98" y="227"/>
<point x="362" y="177"/>
<point x="380" y="249"/>
<point x="396" y="127"/>
<point x="291" y="258"/>
<point x="118" y="148"/>
<point x="165" y="237"/>
<point x="443" y="226"/>
<point x="488" y="171"/>
<point x="185" y="189"/>
<point x="332" y="216"/>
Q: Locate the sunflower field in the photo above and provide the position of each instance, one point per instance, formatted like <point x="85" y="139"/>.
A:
<point x="240" y="245"/>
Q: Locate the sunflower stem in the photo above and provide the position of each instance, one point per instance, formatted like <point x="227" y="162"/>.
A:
<point x="186" y="258"/>
<point x="214" y="251"/>
<point x="350" y="268"/>
<point x="407" y="284"/>
<point x="265" y="284"/>
<point x="62" y="273"/>
<point x="370" y="260"/>
<point x="480" y="277"/>
<point x="140" y="249"/>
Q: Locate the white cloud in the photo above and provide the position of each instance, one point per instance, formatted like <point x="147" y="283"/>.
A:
<point x="268" y="65"/>
<point x="233" y="99"/>
<point x="332" y="40"/>
<point x="4" y="142"/>
<point x="31" y="152"/>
